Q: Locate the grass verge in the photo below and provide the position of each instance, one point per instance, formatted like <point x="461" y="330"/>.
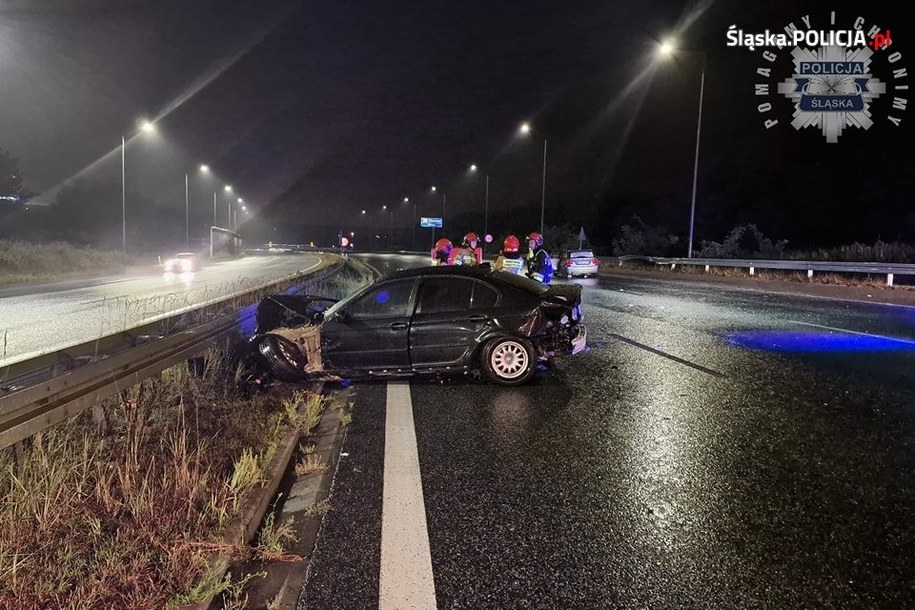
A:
<point x="127" y="512"/>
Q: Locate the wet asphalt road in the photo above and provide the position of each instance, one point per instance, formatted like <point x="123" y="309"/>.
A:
<point x="51" y="319"/>
<point x="715" y="448"/>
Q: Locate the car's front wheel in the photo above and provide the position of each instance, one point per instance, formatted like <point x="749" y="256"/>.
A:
<point x="508" y="360"/>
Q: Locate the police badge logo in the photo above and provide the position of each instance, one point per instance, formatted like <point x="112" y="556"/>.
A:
<point x="832" y="89"/>
<point x="835" y="81"/>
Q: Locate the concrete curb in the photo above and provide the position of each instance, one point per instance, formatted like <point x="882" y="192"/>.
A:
<point x="285" y="580"/>
<point x="242" y="529"/>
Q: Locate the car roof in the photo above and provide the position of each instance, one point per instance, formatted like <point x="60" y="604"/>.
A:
<point x="471" y="271"/>
<point x="186" y="254"/>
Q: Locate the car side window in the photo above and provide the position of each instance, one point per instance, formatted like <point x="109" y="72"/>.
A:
<point x="389" y="299"/>
<point x="484" y="297"/>
<point x="443" y="294"/>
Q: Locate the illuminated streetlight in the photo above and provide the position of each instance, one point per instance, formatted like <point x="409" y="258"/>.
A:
<point x="145" y="127"/>
<point x="227" y="188"/>
<point x="415" y="221"/>
<point x="667" y="50"/>
<point x="205" y="168"/>
<point x="433" y="189"/>
<point x="526" y="130"/>
<point x="240" y="200"/>
<point x="473" y="168"/>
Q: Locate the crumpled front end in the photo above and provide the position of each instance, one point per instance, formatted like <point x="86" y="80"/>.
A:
<point x="289" y="354"/>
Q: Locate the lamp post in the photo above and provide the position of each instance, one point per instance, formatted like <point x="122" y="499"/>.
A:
<point x="415" y="221"/>
<point x="145" y="127"/>
<point x="666" y="50"/>
<point x="228" y="189"/>
<point x="526" y="129"/>
<point x="391" y="234"/>
<point x="187" y="221"/>
<point x="434" y="189"/>
<point x="473" y="168"/>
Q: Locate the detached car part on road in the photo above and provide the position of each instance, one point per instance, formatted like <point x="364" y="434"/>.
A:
<point x="430" y="320"/>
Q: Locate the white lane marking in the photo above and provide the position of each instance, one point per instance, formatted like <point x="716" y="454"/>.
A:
<point x="406" y="562"/>
<point x="854" y="332"/>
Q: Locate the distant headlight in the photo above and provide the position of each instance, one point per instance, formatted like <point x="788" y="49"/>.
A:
<point x="186" y="265"/>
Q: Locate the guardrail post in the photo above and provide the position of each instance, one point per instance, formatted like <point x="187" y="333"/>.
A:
<point x="752" y="270"/>
<point x="707" y="268"/>
<point x="889" y="280"/>
<point x="810" y="274"/>
<point x="673" y="266"/>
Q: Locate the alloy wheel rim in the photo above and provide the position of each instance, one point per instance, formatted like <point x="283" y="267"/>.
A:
<point x="509" y="360"/>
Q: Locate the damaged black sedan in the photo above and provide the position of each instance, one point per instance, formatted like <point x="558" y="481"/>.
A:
<point x="432" y="320"/>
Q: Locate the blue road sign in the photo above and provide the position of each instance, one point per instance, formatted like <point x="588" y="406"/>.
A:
<point x="428" y="223"/>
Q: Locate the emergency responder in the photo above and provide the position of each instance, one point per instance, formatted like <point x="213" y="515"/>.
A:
<point x="510" y="258"/>
<point x="468" y="253"/>
<point x="441" y="252"/>
<point x="539" y="263"/>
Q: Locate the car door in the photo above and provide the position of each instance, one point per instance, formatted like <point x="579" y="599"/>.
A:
<point x="451" y="314"/>
<point x="372" y="331"/>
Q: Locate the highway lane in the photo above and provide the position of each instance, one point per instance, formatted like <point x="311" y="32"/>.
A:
<point x="715" y="448"/>
<point x="33" y="324"/>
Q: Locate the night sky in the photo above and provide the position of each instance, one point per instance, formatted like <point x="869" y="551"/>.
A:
<point x="314" y="111"/>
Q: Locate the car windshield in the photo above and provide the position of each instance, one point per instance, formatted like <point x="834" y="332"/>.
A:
<point x="526" y="284"/>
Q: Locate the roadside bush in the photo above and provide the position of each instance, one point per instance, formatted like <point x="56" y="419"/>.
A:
<point x="640" y="238"/>
<point x="22" y="258"/>
<point x="743" y="241"/>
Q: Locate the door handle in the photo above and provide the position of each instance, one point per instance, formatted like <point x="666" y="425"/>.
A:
<point x="398" y="326"/>
<point x="478" y="318"/>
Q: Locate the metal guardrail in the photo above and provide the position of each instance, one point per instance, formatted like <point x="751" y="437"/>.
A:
<point x="811" y="267"/>
<point x="28" y="410"/>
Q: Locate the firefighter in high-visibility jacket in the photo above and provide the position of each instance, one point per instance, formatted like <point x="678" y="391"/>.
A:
<point x="539" y="263"/>
<point x="468" y="253"/>
<point x="510" y="259"/>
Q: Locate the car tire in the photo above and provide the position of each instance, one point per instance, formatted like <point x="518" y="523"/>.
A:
<point x="281" y="357"/>
<point x="508" y="361"/>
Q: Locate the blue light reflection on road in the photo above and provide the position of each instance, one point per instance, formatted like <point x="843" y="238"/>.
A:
<point x="810" y="341"/>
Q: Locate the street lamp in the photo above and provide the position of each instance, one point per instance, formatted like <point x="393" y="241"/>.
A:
<point x="443" y="206"/>
<point x="145" y="127"/>
<point x="228" y="189"/>
<point x="666" y="50"/>
<point x="525" y="130"/>
<point x="473" y="168"/>
<point x="415" y="221"/>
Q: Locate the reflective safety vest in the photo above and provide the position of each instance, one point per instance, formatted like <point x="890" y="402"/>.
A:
<point x="510" y="265"/>
<point x="462" y="256"/>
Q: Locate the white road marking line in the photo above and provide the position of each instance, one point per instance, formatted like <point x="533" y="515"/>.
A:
<point x="406" y="562"/>
<point x="854" y="332"/>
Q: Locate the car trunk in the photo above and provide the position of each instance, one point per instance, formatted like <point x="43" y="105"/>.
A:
<point x="563" y="294"/>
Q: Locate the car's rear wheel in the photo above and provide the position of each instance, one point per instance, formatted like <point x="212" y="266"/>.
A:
<point x="508" y="360"/>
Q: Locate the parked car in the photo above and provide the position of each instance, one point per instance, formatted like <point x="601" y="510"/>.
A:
<point x="577" y="263"/>
<point x="182" y="262"/>
<point x="422" y="321"/>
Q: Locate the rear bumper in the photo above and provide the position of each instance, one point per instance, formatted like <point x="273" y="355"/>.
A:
<point x="582" y="270"/>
